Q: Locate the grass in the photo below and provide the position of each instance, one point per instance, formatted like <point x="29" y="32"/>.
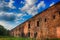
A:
<point x="14" y="38"/>
<point x="20" y="38"/>
<point x="54" y="39"/>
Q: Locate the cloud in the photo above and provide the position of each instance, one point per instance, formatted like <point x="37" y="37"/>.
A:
<point x="32" y="11"/>
<point x="31" y="8"/>
<point x="52" y="4"/>
<point x="4" y="4"/>
<point x="7" y="16"/>
<point x="6" y="25"/>
<point x="6" y="19"/>
<point x="10" y="4"/>
<point x="19" y="16"/>
<point x="10" y="16"/>
<point x="22" y="2"/>
<point x="31" y="2"/>
<point x="41" y="4"/>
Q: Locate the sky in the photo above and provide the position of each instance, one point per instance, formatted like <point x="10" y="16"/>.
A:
<point x="15" y="12"/>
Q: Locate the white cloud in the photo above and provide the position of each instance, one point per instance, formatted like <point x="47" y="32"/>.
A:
<point x="6" y="13"/>
<point x="52" y="4"/>
<point x="10" y="4"/>
<point x="6" y="25"/>
<point x="7" y="5"/>
<point x="1" y="13"/>
<point x="22" y="2"/>
<point x="32" y="11"/>
<point x="11" y="13"/>
<point x="31" y="8"/>
<point x="18" y="15"/>
<point x="31" y="2"/>
<point x="3" y="3"/>
<point x="41" y="4"/>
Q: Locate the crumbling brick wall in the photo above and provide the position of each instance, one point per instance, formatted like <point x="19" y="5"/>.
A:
<point x="43" y="25"/>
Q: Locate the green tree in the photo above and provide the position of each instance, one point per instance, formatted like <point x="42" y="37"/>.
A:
<point x="3" y="31"/>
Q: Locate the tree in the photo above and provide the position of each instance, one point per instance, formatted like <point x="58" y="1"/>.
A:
<point x="3" y="31"/>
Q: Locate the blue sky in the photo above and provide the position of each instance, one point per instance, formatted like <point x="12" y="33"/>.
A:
<point x="15" y="12"/>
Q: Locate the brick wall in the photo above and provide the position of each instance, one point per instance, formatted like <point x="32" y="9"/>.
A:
<point x="43" y="25"/>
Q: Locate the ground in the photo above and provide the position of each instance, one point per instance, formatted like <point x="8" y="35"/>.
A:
<point x="19" y="38"/>
<point x="14" y="38"/>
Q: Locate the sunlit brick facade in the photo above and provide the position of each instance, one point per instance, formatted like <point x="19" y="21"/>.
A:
<point x="43" y="25"/>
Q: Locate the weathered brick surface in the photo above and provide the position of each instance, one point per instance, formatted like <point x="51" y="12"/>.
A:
<point x="43" y="25"/>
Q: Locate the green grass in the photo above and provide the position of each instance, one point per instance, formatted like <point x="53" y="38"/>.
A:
<point x="20" y="38"/>
<point x="54" y="39"/>
<point x="14" y="38"/>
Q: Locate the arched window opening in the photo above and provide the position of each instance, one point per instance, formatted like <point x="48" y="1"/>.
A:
<point x="54" y="16"/>
<point x="45" y="20"/>
<point x="38" y="23"/>
<point x="59" y="12"/>
<point x="28" y="25"/>
<point x="28" y="34"/>
<point x="22" y="34"/>
<point x="35" y="34"/>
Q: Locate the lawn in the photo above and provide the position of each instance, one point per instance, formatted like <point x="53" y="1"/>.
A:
<point x="19" y="38"/>
<point x="54" y="39"/>
<point x="15" y="38"/>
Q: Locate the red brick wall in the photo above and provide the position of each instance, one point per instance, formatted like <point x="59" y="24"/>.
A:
<point x="49" y="20"/>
